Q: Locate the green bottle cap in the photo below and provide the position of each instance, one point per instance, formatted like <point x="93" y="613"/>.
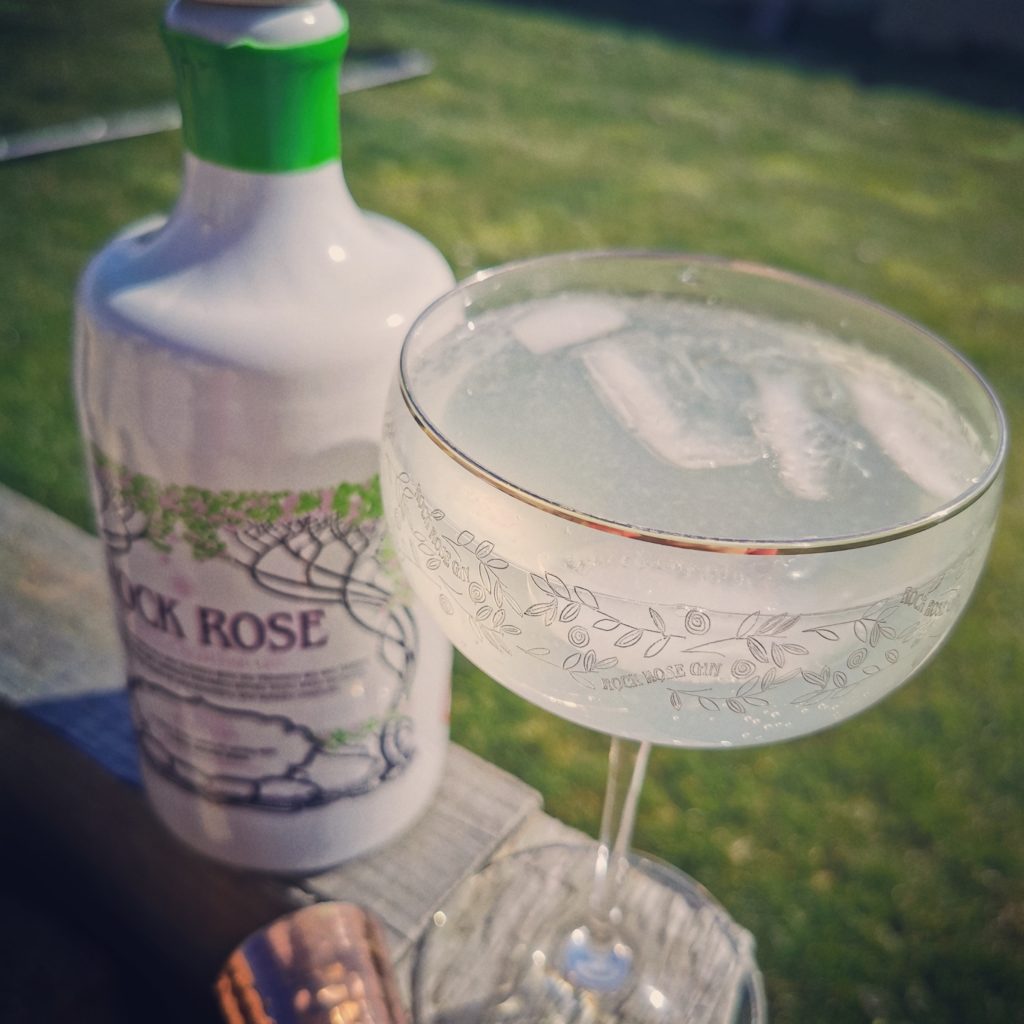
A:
<point x="258" y="107"/>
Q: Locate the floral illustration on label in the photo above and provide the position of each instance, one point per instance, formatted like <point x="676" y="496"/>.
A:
<point x="308" y="621"/>
<point x="696" y="660"/>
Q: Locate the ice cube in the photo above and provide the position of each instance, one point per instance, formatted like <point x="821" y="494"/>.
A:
<point x="567" y="321"/>
<point x="915" y="428"/>
<point x="670" y="405"/>
<point x="788" y="423"/>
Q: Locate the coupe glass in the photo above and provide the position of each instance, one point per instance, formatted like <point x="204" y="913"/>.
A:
<point x="681" y="501"/>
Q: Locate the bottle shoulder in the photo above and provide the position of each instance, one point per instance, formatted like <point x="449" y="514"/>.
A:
<point x="255" y="295"/>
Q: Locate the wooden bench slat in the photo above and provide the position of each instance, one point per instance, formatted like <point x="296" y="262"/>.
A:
<point x="58" y="640"/>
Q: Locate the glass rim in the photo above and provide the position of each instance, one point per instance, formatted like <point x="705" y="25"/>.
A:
<point x="723" y="545"/>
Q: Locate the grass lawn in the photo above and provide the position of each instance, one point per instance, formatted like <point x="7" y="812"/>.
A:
<point x="881" y="866"/>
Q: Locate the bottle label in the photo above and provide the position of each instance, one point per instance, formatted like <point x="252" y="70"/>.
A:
<point x="270" y="657"/>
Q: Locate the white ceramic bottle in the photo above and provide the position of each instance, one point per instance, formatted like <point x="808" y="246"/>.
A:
<point x="232" y="363"/>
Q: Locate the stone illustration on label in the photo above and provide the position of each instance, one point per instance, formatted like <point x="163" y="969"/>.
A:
<point x="282" y="681"/>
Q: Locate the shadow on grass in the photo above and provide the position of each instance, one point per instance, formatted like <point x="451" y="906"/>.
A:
<point x="845" y="42"/>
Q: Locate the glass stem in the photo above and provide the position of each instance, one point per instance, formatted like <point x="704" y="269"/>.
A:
<point x="627" y="766"/>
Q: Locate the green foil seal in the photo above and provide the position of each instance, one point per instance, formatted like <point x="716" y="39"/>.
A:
<point x="257" y="107"/>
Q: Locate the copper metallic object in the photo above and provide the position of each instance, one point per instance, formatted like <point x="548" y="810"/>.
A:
<point x="325" y="964"/>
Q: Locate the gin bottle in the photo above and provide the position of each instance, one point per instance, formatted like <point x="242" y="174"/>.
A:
<point x="232" y="362"/>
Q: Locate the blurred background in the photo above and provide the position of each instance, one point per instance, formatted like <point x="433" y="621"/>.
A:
<point x="874" y="144"/>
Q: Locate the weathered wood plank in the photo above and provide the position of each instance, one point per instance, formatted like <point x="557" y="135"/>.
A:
<point x="57" y="633"/>
<point x="57" y="640"/>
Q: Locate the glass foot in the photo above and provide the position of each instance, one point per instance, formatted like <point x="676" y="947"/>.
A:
<point x="590" y="963"/>
<point x="510" y="946"/>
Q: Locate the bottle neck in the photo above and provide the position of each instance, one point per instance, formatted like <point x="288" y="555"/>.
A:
<point x="255" y="94"/>
<point x="219" y="203"/>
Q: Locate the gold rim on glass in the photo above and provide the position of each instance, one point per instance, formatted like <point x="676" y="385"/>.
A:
<point x="720" y="545"/>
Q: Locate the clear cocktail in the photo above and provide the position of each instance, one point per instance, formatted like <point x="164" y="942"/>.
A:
<point x="686" y="502"/>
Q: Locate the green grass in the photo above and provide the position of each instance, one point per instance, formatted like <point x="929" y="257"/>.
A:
<point x="881" y="866"/>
